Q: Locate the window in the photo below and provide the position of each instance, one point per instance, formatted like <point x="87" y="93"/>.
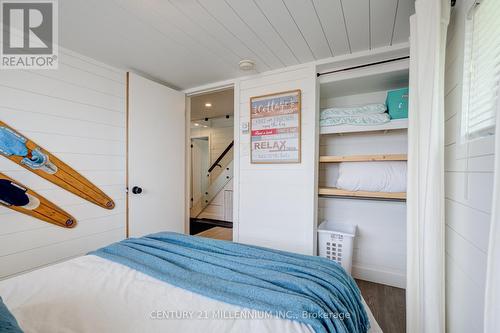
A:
<point x="481" y="69"/>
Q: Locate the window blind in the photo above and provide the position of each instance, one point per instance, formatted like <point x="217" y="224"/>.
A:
<point x="481" y="68"/>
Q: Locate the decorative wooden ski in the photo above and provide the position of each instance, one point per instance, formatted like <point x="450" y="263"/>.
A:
<point x="18" y="197"/>
<point x="32" y="157"/>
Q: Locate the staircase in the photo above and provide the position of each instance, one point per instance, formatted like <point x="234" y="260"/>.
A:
<point x="220" y="188"/>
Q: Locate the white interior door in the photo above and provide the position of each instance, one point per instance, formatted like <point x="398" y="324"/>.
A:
<point x="199" y="168"/>
<point x="156" y="157"/>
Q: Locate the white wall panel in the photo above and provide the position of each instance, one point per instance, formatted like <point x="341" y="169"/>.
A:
<point x="278" y="15"/>
<point x="464" y="300"/>
<point x="251" y="14"/>
<point x="306" y="17"/>
<point x="277" y="203"/>
<point x="331" y="18"/>
<point x="401" y="31"/>
<point x="205" y="39"/>
<point x="381" y="24"/>
<point x="468" y="180"/>
<point x="227" y="17"/>
<point x="78" y="113"/>
<point x="357" y="19"/>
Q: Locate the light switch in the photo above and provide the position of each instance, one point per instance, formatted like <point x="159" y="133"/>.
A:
<point x="244" y="127"/>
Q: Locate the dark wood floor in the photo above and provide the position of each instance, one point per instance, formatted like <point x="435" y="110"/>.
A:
<point x="388" y="305"/>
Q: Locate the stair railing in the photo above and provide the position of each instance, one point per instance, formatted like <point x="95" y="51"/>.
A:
<point x="217" y="184"/>
<point x="221" y="156"/>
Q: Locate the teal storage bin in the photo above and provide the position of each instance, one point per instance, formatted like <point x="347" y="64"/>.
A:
<point x="397" y="103"/>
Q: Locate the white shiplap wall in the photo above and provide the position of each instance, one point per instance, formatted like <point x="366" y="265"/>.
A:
<point x="469" y="179"/>
<point x="277" y="202"/>
<point x="78" y="113"/>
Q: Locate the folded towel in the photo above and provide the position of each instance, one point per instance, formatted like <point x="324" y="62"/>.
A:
<point x="353" y="111"/>
<point x="361" y="120"/>
<point x="311" y="290"/>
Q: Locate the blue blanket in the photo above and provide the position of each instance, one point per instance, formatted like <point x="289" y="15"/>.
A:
<point x="8" y="324"/>
<point x="311" y="290"/>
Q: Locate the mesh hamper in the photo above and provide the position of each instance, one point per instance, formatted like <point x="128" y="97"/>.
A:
<point x="335" y="242"/>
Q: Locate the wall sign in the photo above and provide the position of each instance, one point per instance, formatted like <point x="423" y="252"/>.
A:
<point x="275" y="128"/>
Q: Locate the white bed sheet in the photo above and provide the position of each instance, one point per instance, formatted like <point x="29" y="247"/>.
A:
<point x="92" y="294"/>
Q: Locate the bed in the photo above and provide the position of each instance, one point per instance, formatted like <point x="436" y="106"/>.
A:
<point x="95" y="294"/>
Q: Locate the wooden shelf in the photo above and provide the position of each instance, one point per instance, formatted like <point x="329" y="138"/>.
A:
<point x="332" y="191"/>
<point x="363" y="158"/>
<point x="391" y="125"/>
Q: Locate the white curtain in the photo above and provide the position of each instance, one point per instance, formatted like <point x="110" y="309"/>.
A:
<point x="492" y="294"/>
<point x="425" y="287"/>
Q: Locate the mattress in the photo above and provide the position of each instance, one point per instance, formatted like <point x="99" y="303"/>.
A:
<point x="92" y="294"/>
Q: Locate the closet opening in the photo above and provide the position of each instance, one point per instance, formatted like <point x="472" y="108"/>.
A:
<point x="363" y="146"/>
<point x="211" y="128"/>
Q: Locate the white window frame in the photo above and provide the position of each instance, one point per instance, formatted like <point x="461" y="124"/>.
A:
<point x="469" y="146"/>
<point x="465" y="135"/>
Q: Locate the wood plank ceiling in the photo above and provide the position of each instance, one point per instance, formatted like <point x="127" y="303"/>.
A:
<point x="186" y="43"/>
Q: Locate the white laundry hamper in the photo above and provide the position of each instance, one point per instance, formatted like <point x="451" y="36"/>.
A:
<point x="335" y="242"/>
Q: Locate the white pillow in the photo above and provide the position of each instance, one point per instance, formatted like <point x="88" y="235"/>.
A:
<point x="383" y="176"/>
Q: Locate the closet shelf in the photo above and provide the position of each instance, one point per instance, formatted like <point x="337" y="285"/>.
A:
<point x="391" y="125"/>
<point x="363" y="158"/>
<point x="332" y="191"/>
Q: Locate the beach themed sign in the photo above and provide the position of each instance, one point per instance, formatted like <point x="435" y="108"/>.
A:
<point x="275" y="128"/>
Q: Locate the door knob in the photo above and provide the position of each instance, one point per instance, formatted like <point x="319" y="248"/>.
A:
<point x="136" y="190"/>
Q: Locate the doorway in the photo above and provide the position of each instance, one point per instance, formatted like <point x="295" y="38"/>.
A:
<point x="156" y="115"/>
<point x="211" y="164"/>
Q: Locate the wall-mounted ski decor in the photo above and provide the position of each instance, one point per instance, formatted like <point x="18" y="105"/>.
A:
<point x="29" y="155"/>
<point x="18" y="197"/>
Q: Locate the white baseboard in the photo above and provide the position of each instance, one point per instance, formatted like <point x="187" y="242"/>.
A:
<point x="379" y="275"/>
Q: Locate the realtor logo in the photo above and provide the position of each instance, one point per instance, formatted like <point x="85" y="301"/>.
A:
<point x="29" y="34"/>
